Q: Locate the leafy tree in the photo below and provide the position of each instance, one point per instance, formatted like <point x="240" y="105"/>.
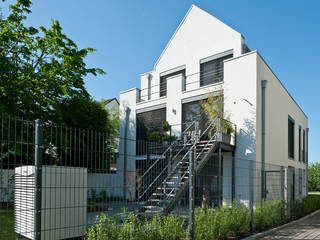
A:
<point x="314" y="177"/>
<point x="42" y="72"/>
<point x="113" y="117"/>
<point x="42" y="77"/>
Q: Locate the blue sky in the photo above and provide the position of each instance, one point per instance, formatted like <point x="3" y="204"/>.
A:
<point x="130" y="35"/>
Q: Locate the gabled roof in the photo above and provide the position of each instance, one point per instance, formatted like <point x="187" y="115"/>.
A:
<point x="192" y="8"/>
<point x="112" y="99"/>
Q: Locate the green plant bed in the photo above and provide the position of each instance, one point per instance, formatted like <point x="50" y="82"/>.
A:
<point x="227" y="222"/>
<point x="7" y="224"/>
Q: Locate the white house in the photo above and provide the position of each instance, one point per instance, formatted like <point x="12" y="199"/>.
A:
<point x="205" y="55"/>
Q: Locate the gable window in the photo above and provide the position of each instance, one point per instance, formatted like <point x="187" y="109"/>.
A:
<point x="164" y="78"/>
<point x="290" y="137"/>
<point x="212" y="71"/>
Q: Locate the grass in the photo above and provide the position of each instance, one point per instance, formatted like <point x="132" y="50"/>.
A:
<point x="6" y="224"/>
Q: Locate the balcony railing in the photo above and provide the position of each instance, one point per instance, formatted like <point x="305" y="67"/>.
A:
<point x="189" y="83"/>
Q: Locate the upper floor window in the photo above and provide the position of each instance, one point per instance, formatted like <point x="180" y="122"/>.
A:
<point x="290" y="137"/>
<point x="164" y="78"/>
<point x="212" y="71"/>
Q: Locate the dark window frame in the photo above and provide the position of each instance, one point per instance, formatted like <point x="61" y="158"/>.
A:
<point x="163" y="81"/>
<point x="212" y="71"/>
<point x="291" y="131"/>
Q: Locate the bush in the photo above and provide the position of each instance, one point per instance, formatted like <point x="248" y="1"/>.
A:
<point x="159" y="227"/>
<point x="229" y="220"/>
<point x="268" y="214"/>
<point x="213" y="223"/>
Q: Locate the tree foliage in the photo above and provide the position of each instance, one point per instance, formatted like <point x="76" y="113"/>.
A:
<point x="314" y="177"/>
<point x="213" y="107"/>
<point x="42" y="74"/>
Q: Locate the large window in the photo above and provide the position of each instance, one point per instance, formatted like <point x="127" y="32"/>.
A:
<point x="163" y="81"/>
<point x="192" y="111"/>
<point x="150" y="121"/>
<point x="212" y="71"/>
<point x="290" y="137"/>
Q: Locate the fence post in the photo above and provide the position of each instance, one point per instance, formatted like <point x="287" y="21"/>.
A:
<point x="125" y="153"/>
<point x="219" y="132"/>
<point x="282" y="190"/>
<point x="251" y="198"/>
<point x="38" y="178"/>
<point x="191" y="193"/>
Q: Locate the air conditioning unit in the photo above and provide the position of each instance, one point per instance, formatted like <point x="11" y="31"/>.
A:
<point x="63" y="202"/>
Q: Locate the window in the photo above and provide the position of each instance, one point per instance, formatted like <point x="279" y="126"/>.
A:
<point x="299" y="143"/>
<point x="163" y="81"/>
<point x="304" y="147"/>
<point x="150" y="121"/>
<point x="290" y="137"/>
<point x="163" y="86"/>
<point x="212" y="71"/>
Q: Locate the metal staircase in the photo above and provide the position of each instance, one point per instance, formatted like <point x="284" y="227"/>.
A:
<point x="172" y="181"/>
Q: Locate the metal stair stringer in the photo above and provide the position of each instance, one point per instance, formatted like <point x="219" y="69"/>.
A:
<point x="199" y="166"/>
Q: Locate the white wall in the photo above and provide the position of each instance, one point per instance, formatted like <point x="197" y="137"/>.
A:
<point x="240" y="101"/>
<point x="128" y="100"/>
<point x="200" y="35"/>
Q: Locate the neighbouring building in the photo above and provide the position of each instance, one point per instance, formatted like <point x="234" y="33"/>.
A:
<point x="206" y="56"/>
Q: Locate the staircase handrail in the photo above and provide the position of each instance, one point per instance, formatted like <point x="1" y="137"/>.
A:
<point x="164" y="169"/>
<point x="163" y="154"/>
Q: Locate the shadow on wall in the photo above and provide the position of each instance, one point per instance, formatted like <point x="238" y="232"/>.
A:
<point x="246" y="139"/>
<point x="126" y="163"/>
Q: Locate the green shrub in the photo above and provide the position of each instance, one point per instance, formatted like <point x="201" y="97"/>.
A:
<point x="154" y="137"/>
<point x="268" y="214"/>
<point x="104" y="228"/>
<point x="160" y="227"/>
<point x="166" y="126"/>
<point x="213" y="223"/>
<point x="239" y="219"/>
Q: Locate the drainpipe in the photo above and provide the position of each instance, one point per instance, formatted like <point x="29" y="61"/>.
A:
<point x="307" y="160"/>
<point x="263" y="138"/>
<point x="125" y="152"/>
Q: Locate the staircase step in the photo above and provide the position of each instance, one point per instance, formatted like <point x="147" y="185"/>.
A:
<point x="179" y="177"/>
<point x="167" y="188"/>
<point x="158" y="200"/>
<point x="154" y="208"/>
<point x="163" y="194"/>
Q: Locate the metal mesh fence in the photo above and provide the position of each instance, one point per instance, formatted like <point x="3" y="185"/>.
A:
<point x="56" y="180"/>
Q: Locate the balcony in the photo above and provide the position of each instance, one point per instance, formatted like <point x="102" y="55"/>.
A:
<point x="191" y="82"/>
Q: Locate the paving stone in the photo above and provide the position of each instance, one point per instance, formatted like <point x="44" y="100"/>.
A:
<point x="307" y="229"/>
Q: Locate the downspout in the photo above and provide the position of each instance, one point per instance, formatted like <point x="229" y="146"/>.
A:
<point x="263" y="138"/>
<point x="307" y="160"/>
<point x="125" y="152"/>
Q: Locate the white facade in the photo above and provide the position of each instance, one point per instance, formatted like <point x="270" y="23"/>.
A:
<point x="201" y="38"/>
